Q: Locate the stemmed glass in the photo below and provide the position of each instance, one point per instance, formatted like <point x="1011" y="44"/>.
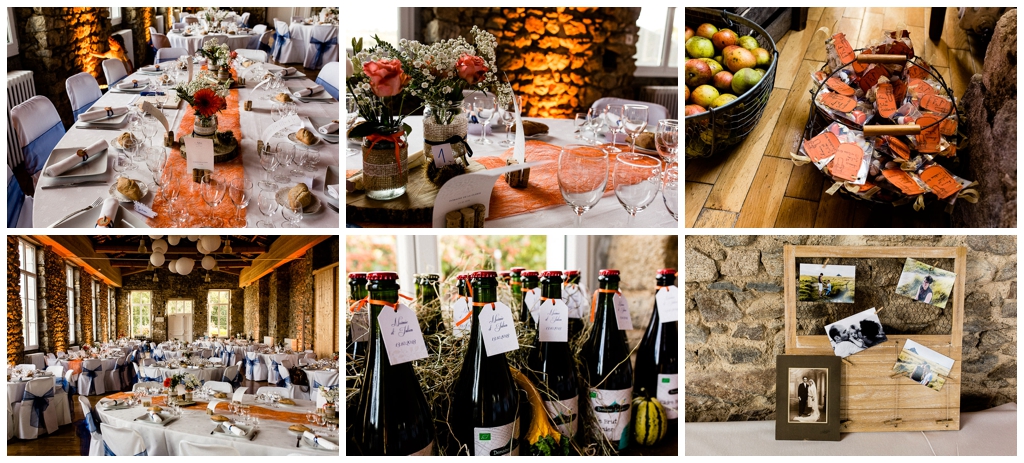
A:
<point x="595" y="121"/>
<point x="122" y="163"/>
<point x="613" y="115"/>
<point x="269" y="162"/>
<point x="508" y="118"/>
<point x="293" y="215"/>
<point x="666" y="139"/>
<point x="149" y="127"/>
<point x="134" y="145"/>
<point x="579" y="122"/>
<point x="582" y="177"/>
<point x="310" y="159"/>
<point x="484" y="106"/>
<point x="670" y="193"/>
<point x="170" y="194"/>
<point x="634" y="119"/>
<point x="212" y="192"/>
<point x="637" y="180"/>
<point x="240" y="194"/>
<point x="351" y="114"/>
<point x="267" y="202"/>
<point x="285" y="151"/>
<point x="155" y="158"/>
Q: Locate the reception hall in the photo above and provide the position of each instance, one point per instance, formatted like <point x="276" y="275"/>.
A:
<point x="172" y="345"/>
<point x="173" y="117"/>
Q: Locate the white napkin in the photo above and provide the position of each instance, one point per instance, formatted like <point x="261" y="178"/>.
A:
<point x="71" y="161"/>
<point x="474" y="129"/>
<point x="287" y="71"/>
<point x="321" y="442"/>
<point x="138" y="83"/>
<point x="99" y="113"/>
<point x="309" y="91"/>
<point x="151" y="68"/>
<point x="328" y="128"/>
<point x="108" y="210"/>
<point x="333" y="191"/>
<point x="155" y="417"/>
<point x="227" y="427"/>
<point x="113" y="403"/>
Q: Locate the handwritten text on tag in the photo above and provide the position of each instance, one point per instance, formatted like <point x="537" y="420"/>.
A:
<point x="554" y="321"/>
<point x="498" y="328"/>
<point x="668" y="304"/>
<point x="622" y="317"/>
<point x="531" y="297"/>
<point x="442" y="154"/>
<point x="402" y="336"/>
<point x="463" y="321"/>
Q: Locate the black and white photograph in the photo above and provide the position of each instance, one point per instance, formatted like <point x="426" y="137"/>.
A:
<point x="925" y="283"/>
<point x="807" y="393"/>
<point x="826" y="283"/>
<point x="856" y="333"/>
<point x="923" y="365"/>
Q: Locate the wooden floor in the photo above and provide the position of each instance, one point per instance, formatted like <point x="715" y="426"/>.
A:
<point x="756" y="185"/>
<point x="65" y="442"/>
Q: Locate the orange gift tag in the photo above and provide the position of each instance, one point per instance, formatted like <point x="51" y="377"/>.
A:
<point x="921" y="87"/>
<point x="839" y="86"/>
<point x="897" y="147"/>
<point x="918" y="72"/>
<point x="843" y="48"/>
<point x="865" y="187"/>
<point x="821" y="146"/>
<point x="847" y="162"/>
<point x="928" y="139"/>
<point x="870" y="78"/>
<point x="941" y="183"/>
<point x="948" y="127"/>
<point x="886" y="101"/>
<point x="843" y="104"/>
<point x="903" y="181"/>
<point x="936" y="103"/>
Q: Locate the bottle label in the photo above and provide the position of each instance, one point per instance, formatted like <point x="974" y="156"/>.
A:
<point x="463" y="319"/>
<point x="554" y="321"/>
<point x="498" y="441"/>
<point x="531" y="298"/>
<point x="613" y="413"/>
<point x="667" y="299"/>
<point x="402" y="336"/>
<point x="425" y="452"/>
<point x="574" y="297"/>
<point x="360" y="325"/>
<point x="622" y="318"/>
<point x="564" y="414"/>
<point x="668" y="394"/>
<point x="498" y="329"/>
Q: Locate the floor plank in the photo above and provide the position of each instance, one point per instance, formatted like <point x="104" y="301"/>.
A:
<point x="789" y="131"/>
<point x="710" y="218"/>
<point x="916" y="16"/>
<point x="796" y="46"/>
<point x="852" y="12"/>
<point x="813" y="14"/>
<point x="796" y="213"/>
<point x="870" y="30"/>
<point x="805" y="182"/>
<point x="696" y="195"/>
<point x="829" y="18"/>
<point x="894" y="17"/>
<point x="834" y="211"/>
<point x="705" y="170"/>
<point x="850" y="27"/>
<point x="762" y="208"/>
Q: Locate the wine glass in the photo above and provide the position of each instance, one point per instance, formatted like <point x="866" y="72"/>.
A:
<point x="285" y="151"/>
<point x="240" y="195"/>
<point x="351" y="114"/>
<point x="582" y="177"/>
<point x="484" y="106"/>
<point x="269" y="162"/>
<point x="634" y="119"/>
<point x="149" y="128"/>
<point x="613" y="116"/>
<point x="212" y="192"/>
<point x="268" y="205"/>
<point x="508" y="118"/>
<point x="292" y="214"/>
<point x="666" y="139"/>
<point x="593" y="123"/>
<point x="155" y="158"/>
<point x="310" y="158"/>
<point x="637" y="180"/>
<point x="122" y="163"/>
<point x="134" y="145"/>
<point x="579" y="122"/>
<point x="670" y="193"/>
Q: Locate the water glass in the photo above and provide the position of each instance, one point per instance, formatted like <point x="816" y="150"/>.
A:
<point x="634" y="119"/>
<point x="269" y="162"/>
<point x="484" y="106"/>
<point x="351" y="114"/>
<point x="613" y="117"/>
<point x="579" y="122"/>
<point x="582" y="177"/>
<point x="292" y="214"/>
<point x="637" y="180"/>
<point x="240" y="194"/>
<point x="310" y="159"/>
<point x="508" y="118"/>
<point x="268" y="205"/>
<point x="666" y="139"/>
<point x="122" y="163"/>
<point x="212" y="192"/>
<point x="670" y="193"/>
<point x="285" y="151"/>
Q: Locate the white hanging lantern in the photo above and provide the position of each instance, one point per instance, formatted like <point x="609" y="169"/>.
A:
<point x="209" y="262"/>
<point x="160" y="246"/>
<point x="201" y="248"/>
<point x="211" y="242"/>
<point x="193" y="237"/>
<point x="185" y="265"/>
<point x="157" y="259"/>
<point x="172" y="266"/>
<point x="173" y="239"/>
<point x="155" y="237"/>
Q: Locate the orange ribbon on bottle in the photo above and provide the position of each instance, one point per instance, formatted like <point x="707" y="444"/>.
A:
<point x="593" y="303"/>
<point x="468" y="314"/>
<point x="358" y="305"/>
<point x="395" y="138"/>
<point x="393" y="305"/>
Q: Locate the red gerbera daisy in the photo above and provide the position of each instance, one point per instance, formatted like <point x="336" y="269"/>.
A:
<point x="206" y="102"/>
<point x="167" y="382"/>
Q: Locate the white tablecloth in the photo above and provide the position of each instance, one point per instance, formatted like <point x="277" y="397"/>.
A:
<point x="194" y="42"/>
<point x="293" y="357"/>
<point x="195" y="426"/>
<point x="204" y="374"/>
<point x="51" y="205"/>
<point x="606" y="214"/>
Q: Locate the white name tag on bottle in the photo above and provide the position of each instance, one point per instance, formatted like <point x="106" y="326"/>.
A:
<point x="360" y="325"/>
<point x="531" y="298"/>
<point x="668" y="304"/>
<point x="622" y="317"/>
<point x="462" y="321"/>
<point x="499" y="329"/>
<point x="573" y="296"/>
<point x="442" y="154"/>
<point x="554" y="321"/>
<point x="402" y="336"/>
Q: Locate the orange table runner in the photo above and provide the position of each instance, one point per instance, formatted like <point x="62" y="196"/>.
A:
<point x="175" y="175"/>
<point x="76" y="366"/>
<point x="297" y="417"/>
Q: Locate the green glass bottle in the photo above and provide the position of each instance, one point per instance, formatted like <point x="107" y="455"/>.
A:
<point x="657" y="358"/>
<point x="554" y="370"/>
<point x="609" y="372"/>
<point x="572" y="280"/>
<point x="517" y="289"/>
<point x="429" y="311"/>
<point x="530" y="280"/>
<point x="358" y="327"/>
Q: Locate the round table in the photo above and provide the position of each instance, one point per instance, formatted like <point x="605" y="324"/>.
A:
<point x="301" y="33"/>
<point x="194" y="42"/>
<point x="204" y="374"/>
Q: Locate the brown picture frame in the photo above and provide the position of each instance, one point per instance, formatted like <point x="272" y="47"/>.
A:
<point x="807" y="390"/>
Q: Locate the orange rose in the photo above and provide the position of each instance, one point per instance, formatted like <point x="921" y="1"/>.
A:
<point x="471" y="68"/>
<point x="386" y="77"/>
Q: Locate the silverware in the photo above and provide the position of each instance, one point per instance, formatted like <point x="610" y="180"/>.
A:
<point x="95" y="128"/>
<point x="254" y="433"/>
<point x="297" y="441"/>
<point x="95" y="203"/>
<point x="332" y="207"/>
<point x="68" y="185"/>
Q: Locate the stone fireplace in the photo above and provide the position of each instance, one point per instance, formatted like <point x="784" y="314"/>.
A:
<point x="560" y="59"/>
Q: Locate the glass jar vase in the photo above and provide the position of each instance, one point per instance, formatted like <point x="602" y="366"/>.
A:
<point x="445" y="124"/>
<point x="385" y="166"/>
<point x="205" y="127"/>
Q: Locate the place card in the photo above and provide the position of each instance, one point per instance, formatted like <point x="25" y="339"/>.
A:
<point x="498" y="328"/>
<point x="574" y="297"/>
<point x="822" y="146"/>
<point x="442" y="154"/>
<point x="903" y="181"/>
<point x="929" y="138"/>
<point x="462" y="316"/>
<point x="402" y="336"/>
<point x="239" y="394"/>
<point x="290" y="121"/>
<point x="668" y="304"/>
<point x="156" y="113"/>
<point x="212" y="406"/>
<point x="840" y="87"/>
<point x="144" y="210"/>
<point x="936" y="103"/>
<point x="470" y="188"/>
<point x="870" y="78"/>
<point x="553" y="321"/>
<point x="839" y="102"/>
<point x="622" y="318"/>
<point x="531" y="297"/>
<point x="200" y="153"/>
<point x="885" y="100"/>
<point x="897" y="147"/>
<point x="940" y="181"/>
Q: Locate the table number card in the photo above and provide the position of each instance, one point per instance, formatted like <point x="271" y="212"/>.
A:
<point x="668" y="304"/>
<point x="212" y="406"/>
<point x="239" y="393"/>
<point x="290" y="121"/>
<point x="442" y="154"/>
<point x="470" y="188"/>
<point x="499" y="329"/>
<point x="402" y="336"/>
<point x="200" y="153"/>
<point x="156" y="113"/>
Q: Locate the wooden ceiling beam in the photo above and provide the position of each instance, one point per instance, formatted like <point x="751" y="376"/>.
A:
<point x="285" y="249"/>
<point x="78" y="249"/>
<point x="179" y="249"/>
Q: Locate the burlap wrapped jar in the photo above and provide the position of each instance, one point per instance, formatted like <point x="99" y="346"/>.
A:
<point x="445" y="124"/>
<point x="385" y="167"/>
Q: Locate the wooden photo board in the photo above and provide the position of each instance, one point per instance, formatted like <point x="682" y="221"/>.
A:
<point x="873" y="399"/>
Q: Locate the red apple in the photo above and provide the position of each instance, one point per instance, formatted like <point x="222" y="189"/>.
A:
<point x="722" y="81"/>
<point x="689" y="33"/>
<point x="692" y="109"/>
<point x="704" y="95"/>
<point x="739" y="58"/>
<point x="697" y="72"/>
<point x="723" y="38"/>
<point x="686" y="95"/>
<point x="706" y="30"/>
<point x="729" y="48"/>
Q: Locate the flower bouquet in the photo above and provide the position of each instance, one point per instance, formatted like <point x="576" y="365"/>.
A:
<point x="207" y="96"/>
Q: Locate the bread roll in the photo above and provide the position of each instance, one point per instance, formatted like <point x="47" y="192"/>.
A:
<point x="283" y="98"/>
<point x="286" y="401"/>
<point x="126" y="140"/>
<point x="298" y="428"/>
<point x="219" y="418"/>
<point x="305" y="136"/>
<point x="129" y="188"/>
<point x="155" y="409"/>
<point x="646" y="141"/>
<point x="299" y="196"/>
<point x="532" y="128"/>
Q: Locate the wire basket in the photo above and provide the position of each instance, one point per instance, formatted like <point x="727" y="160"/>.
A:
<point x="720" y="129"/>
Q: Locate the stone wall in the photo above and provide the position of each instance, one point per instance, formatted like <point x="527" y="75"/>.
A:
<point x="563" y="59"/>
<point x="300" y="313"/>
<point x="139" y="20"/>
<point x="278" y="310"/>
<point x="175" y="286"/>
<point x="104" y="327"/>
<point x="638" y="259"/>
<point x="257" y="306"/>
<point x="735" y="327"/>
<point x="83" y="329"/>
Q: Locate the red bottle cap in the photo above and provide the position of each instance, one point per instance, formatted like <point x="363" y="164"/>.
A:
<point x="551" y="273"/>
<point x="517" y="270"/>
<point x="528" y="273"/>
<point x="357" y="275"/>
<point x="462" y="276"/>
<point x="485" y="274"/>
<point x="609" y="272"/>
<point x="667" y="271"/>
<point x="572" y="273"/>
<point x="505" y="274"/>
<point x="382" y="276"/>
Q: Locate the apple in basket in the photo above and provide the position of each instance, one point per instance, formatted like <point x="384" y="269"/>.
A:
<point x="723" y="81"/>
<point x="689" y="33"/>
<point x="724" y="37"/>
<point x="707" y="30"/>
<point x="697" y="72"/>
<point x="739" y="58"/>
<point x="704" y="95"/>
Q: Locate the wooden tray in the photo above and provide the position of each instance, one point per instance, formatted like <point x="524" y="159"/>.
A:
<point x="416" y="206"/>
<point x="221" y="152"/>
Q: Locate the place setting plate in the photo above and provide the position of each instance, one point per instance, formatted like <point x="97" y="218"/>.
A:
<point x="111" y="122"/>
<point x="124" y="199"/>
<point x="296" y="142"/>
<point x="308" y="443"/>
<point x="110" y="408"/>
<point x="87" y="168"/>
<point x="332" y="178"/>
<point x="312" y="208"/>
<point x="165" y="417"/>
<point x="86" y="218"/>
<point x="317" y="122"/>
<point x="220" y="432"/>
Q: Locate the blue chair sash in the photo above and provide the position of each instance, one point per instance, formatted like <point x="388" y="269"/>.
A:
<point x="92" y="377"/>
<point x="279" y="41"/>
<point x="159" y="358"/>
<point x="84" y="108"/>
<point x="110" y="453"/>
<point x="329" y="88"/>
<point x="273" y="366"/>
<point x="321" y="47"/>
<point x="15" y="201"/>
<point x="90" y="422"/>
<point x="38" y="150"/>
<point x="39" y="405"/>
<point x="317" y="385"/>
<point x="63" y="383"/>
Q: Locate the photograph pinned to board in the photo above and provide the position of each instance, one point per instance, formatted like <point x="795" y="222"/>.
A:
<point x="826" y="283"/>
<point x="925" y="283"/>
<point x="923" y="365"/>
<point x="856" y="333"/>
<point x="807" y="397"/>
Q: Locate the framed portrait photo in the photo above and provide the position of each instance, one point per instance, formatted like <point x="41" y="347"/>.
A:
<point x="807" y="397"/>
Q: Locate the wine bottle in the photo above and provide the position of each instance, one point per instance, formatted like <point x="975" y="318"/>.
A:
<point x="517" y="289"/>
<point x="553" y="368"/>
<point x="574" y="291"/>
<point x="484" y="413"/>
<point x="530" y="279"/>
<point x="657" y="358"/>
<point x="429" y="311"/>
<point x="358" y="328"/>
<point x="609" y="373"/>
<point x="392" y="417"/>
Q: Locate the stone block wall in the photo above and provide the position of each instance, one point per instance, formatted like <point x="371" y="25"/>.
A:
<point x="300" y="323"/>
<point x="175" y="286"/>
<point x="280" y="301"/>
<point x="735" y="328"/>
<point x="83" y="327"/>
<point x="139" y="20"/>
<point x="638" y="259"/>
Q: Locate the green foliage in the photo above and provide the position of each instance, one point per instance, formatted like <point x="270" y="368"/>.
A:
<point x="479" y="252"/>
<point x="546" y="446"/>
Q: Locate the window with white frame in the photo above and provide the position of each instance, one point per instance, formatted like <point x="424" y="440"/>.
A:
<point x="218" y="305"/>
<point x="12" y="35"/>
<point x="29" y="293"/>
<point x="140" y="322"/>
<point x="179" y="306"/>
<point x="657" y="47"/>
<point x="95" y="310"/>
<point x="115" y="15"/>
<point x="71" y="302"/>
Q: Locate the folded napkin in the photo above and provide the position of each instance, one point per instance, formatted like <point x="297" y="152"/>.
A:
<point x="332" y="127"/>
<point x="151" y="68"/>
<point x="228" y="427"/>
<point x="82" y="155"/>
<point x="319" y="442"/>
<point x="308" y="91"/>
<point x="287" y="71"/>
<point x="133" y="84"/>
<point x="100" y="113"/>
<point x="332" y="190"/>
<point x="113" y="403"/>
<point x="155" y="417"/>
<point x="107" y="212"/>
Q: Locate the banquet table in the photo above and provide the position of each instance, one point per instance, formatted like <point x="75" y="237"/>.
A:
<point x="194" y="42"/>
<point x="606" y="214"/>
<point x="52" y="205"/>
<point x="301" y="32"/>
<point x="195" y="426"/>
<point x="16" y="390"/>
<point x="204" y="374"/>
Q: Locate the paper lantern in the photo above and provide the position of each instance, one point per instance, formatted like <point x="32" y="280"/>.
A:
<point x="173" y="239"/>
<point x="201" y="248"/>
<point x="211" y="243"/>
<point x="209" y="262"/>
<point x="193" y="237"/>
<point x="172" y="266"/>
<point x="155" y="237"/>
<point x="160" y="246"/>
<point x="185" y="265"/>
<point x="157" y="259"/>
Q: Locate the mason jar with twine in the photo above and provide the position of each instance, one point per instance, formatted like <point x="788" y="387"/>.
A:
<point x="385" y="165"/>
<point x="446" y="124"/>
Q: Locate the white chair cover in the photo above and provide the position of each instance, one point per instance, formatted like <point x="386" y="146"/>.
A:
<point x="169" y="54"/>
<point x="11" y="431"/>
<point x="83" y="91"/>
<point x="323" y="46"/>
<point x="112" y="378"/>
<point x="24" y="219"/>
<point x="113" y="70"/>
<point x="92" y="379"/>
<point x="230" y="373"/>
<point x="330" y="79"/>
<point x="286" y="50"/>
<point x="146" y="384"/>
<point x="655" y="111"/>
<point x="255" y="370"/>
<point x="186" y="448"/>
<point x="36" y="413"/>
<point x="160" y="41"/>
<point x="221" y="38"/>
<point x="244" y="19"/>
<point x="219" y="386"/>
<point x="72" y="381"/>
<point x="160" y="24"/>
<point x="294" y="390"/>
<point x="255" y="55"/>
<point x="96" y="444"/>
<point x="121" y="442"/>
<point x="61" y="402"/>
<point x="129" y="44"/>
<point x="320" y="378"/>
<point x="273" y="376"/>
<point x="283" y="391"/>
<point x="37" y="359"/>
<point x="257" y="36"/>
<point x="33" y="118"/>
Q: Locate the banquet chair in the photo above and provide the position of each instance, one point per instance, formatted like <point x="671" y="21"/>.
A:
<point x="58" y="375"/>
<point x="159" y="41"/>
<point x="282" y="391"/>
<point x="231" y="375"/>
<point x="320" y="378"/>
<point x="295" y="391"/>
<point x="112" y="378"/>
<point x="83" y="92"/>
<point x="244" y="20"/>
<point x="255" y="55"/>
<point x="255" y="370"/>
<point x="655" y="112"/>
<point x="147" y="384"/>
<point x="71" y="381"/>
<point x="147" y="362"/>
<point x="330" y="78"/>
<point x="151" y="374"/>
<point x="34" y="414"/>
<point x="257" y="36"/>
<point x="159" y="355"/>
<point x="177" y="26"/>
<point x="219" y="386"/>
<point x="62" y="403"/>
<point x="96" y="439"/>
<point x="51" y="360"/>
<point x="285" y="49"/>
<point x="160" y="24"/>
<point x="169" y="54"/>
<point x="11" y="431"/>
<point x="186" y="448"/>
<point x="19" y="206"/>
<point x="273" y="376"/>
<point x="323" y="46"/>
<point x="39" y="129"/>
<point x="298" y="19"/>
<point x="122" y="442"/>
<point x="221" y="38"/>
<point x="191" y="20"/>
<point x="113" y="70"/>
<point x="91" y="381"/>
<point x="37" y="359"/>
